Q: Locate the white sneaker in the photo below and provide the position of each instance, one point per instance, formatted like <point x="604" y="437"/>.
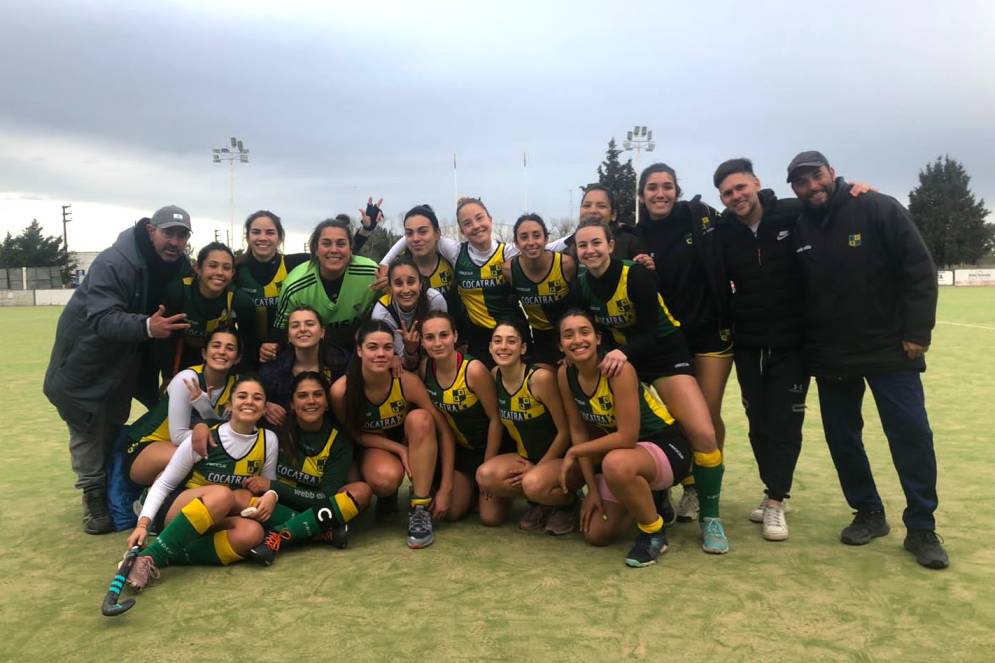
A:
<point x="775" y="527"/>
<point x="687" y="509"/>
<point x="757" y="515"/>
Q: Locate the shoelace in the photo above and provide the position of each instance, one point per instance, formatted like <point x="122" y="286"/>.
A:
<point x="774" y="517"/>
<point x="931" y="537"/>
<point x="274" y="539"/>
<point x="421" y="520"/>
<point x="714" y="527"/>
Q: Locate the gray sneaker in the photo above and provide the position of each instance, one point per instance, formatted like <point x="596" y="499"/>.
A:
<point x="419" y="528"/>
<point x="687" y="509"/>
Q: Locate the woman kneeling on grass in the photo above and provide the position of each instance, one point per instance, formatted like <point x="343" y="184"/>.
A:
<point x="197" y="499"/>
<point x="316" y="497"/>
<point x="530" y="409"/>
<point x="625" y="441"/>
<point x="462" y="388"/>
<point x="399" y="429"/>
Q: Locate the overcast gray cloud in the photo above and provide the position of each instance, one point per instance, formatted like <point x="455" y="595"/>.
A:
<point x="120" y="103"/>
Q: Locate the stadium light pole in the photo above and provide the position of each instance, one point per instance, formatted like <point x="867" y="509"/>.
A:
<point x="637" y="140"/>
<point x="235" y="152"/>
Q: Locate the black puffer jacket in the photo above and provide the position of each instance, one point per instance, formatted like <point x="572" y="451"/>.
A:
<point x="870" y="283"/>
<point x="766" y="304"/>
<point x="704" y="220"/>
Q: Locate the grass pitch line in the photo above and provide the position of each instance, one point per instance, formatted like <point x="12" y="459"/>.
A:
<point x="964" y="324"/>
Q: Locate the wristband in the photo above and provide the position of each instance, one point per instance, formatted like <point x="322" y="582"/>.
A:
<point x="276" y="495"/>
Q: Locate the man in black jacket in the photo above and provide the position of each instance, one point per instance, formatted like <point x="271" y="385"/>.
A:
<point x="869" y="311"/>
<point x="755" y="236"/>
<point x="101" y="358"/>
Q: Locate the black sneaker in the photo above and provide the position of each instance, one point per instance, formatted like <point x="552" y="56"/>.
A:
<point x="866" y="525"/>
<point x="927" y="547"/>
<point x="386" y="505"/>
<point x="665" y="507"/>
<point x="647" y="549"/>
<point x="420" y="528"/>
<point x="265" y="552"/>
<point x="340" y="536"/>
<point x="96" y="518"/>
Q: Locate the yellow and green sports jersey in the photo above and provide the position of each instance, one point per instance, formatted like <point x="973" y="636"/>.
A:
<point x="220" y="468"/>
<point x="618" y="312"/>
<point x="598" y="408"/>
<point x="153" y="426"/>
<point x="443" y="277"/>
<point x="543" y="302"/>
<point x="526" y="418"/>
<point x="321" y="455"/>
<point x="485" y="295"/>
<point x="463" y="410"/>
<point x="387" y="417"/>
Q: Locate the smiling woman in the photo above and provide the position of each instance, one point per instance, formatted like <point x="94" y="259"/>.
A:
<point x="336" y="284"/>
<point x="404" y="307"/>
<point x="209" y="302"/>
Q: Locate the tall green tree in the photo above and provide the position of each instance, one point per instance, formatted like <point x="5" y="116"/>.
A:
<point x="950" y="219"/>
<point x="621" y="179"/>
<point x="33" y="249"/>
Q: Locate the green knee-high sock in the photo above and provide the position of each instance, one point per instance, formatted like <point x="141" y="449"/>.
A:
<point x="212" y="549"/>
<point x="281" y="514"/>
<point x="708" y="471"/>
<point x="341" y="509"/>
<point x="188" y="525"/>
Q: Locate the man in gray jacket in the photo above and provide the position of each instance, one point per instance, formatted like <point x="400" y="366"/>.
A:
<point x="102" y="356"/>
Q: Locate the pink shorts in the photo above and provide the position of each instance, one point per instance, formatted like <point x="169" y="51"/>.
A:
<point x="664" y="477"/>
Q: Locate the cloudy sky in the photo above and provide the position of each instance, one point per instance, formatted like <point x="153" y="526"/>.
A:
<point x="115" y="106"/>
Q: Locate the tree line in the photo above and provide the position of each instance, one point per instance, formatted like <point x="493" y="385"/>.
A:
<point x="952" y="220"/>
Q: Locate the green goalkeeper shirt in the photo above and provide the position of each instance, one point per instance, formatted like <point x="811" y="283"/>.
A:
<point x="340" y="318"/>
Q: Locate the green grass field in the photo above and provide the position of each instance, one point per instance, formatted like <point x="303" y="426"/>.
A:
<point x="502" y="594"/>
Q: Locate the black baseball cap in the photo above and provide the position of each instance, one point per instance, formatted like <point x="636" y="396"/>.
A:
<point x="807" y="159"/>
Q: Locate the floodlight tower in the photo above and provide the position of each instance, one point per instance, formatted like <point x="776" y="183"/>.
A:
<point x="236" y="152"/>
<point x="637" y="140"/>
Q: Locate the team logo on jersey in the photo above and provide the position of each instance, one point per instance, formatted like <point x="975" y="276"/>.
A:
<point x="783" y="234"/>
<point x="524" y="403"/>
<point x="397" y="406"/>
<point x="459" y="395"/>
<point x="605" y="402"/>
<point x="554" y="286"/>
<point x="445" y="278"/>
<point x="495" y="271"/>
<point x="689" y="239"/>
<point x="853" y="240"/>
<point x="320" y="465"/>
<point x="622" y="305"/>
<point x="254" y="467"/>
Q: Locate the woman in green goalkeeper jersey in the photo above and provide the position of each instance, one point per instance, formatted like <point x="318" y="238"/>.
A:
<point x="336" y="284"/>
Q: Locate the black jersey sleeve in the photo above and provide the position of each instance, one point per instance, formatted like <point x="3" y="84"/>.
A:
<point x="642" y="338"/>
